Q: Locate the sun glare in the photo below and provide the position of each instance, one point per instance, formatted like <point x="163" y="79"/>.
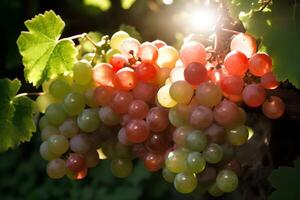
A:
<point x="203" y="20"/>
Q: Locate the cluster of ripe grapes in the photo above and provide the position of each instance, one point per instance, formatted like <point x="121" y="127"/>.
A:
<point x="178" y="112"/>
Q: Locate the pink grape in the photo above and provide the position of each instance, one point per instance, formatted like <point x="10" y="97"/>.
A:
<point x="236" y="63"/>
<point x="273" y="107"/>
<point x="195" y="73"/>
<point x="157" y="119"/>
<point x="138" y="109"/>
<point x="121" y="102"/>
<point x="244" y="43"/>
<point x="193" y="52"/>
<point x="137" y="131"/>
<point x="232" y="84"/>
<point x="103" y="74"/>
<point x="148" y="52"/>
<point x="254" y="95"/>
<point x="260" y="64"/>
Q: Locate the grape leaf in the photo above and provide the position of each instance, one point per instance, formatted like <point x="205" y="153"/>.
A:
<point x="16" y="120"/>
<point x="278" y="28"/>
<point x="44" y="55"/>
<point x="286" y="181"/>
<point x="237" y="6"/>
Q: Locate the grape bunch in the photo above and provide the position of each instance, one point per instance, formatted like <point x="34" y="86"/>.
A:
<point x="178" y="112"/>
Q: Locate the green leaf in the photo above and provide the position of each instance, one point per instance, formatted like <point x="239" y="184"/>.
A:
<point x="44" y="55"/>
<point x="103" y="5"/>
<point x="16" y="115"/>
<point x="131" y="31"/>
<point x="126" y="4"/>
<point x="237" y="6"/>
<point x="286" y="181"/>
<point x="278" y="28"/>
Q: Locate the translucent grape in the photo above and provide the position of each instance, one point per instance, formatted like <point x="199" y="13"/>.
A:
<point x="196" y="141"/>
<point x="207" y="175"/>
<point x="181" y="92"/>
<point x="208" y="94"/>
<point x="177" y="74"/>
<point x="195" y="73"/>
<point x="138" y="109"/>
<point x="88" y="120"/>
<point x="268" y="81"/>
<point x="213" y="153"/>
<point x="80" y="143"/>
<point x="157" y="119"/>
<point x="217" y="75"/>
<point x="168" y="175"/>
<point x="215" y="134"/>
<point x="108" y="116"/>
<point x="48" y="131"/>
<point x="92" y="159"/>
<point x="214" y="191"/>
<point x="74" y="103"/>
<point x="227" y="113"/>
<point x="157" y="143"/>
<point x="180" y="135"/>
<point x="148" y="52"/>
<point x="227" y="180"/>
<point x="236" y="63"/>
<point x="153" y="161"/>
<point x="45" y="152"/>
<point x="176" y="161"/>
<point x="144" y="91"/>
<point x="76" y="162"/>
<point x="185" y="182"/>
<point x="125" y="79"/>
<point x="118" y="61"/>
<point x="103" y="74"/>
<point x="89" y="98"/>
<point x="110" y="53"/>
<point x="121" y="168"/>
<point x="167" y="56"/>
<point x="122" y="137"/>
<point x="43" y="122"/>
<point x="43" y="101"/>
<point x="103" y="95"/>
<point x="56" y="168"/>
<point x="82" y="72"/>
<point x="162" y="75"/>
<point x="121" y="102"/>
<point x="146" y="72"/>
<point x="273" y="107"/>
<point x="232" y="84"/>
<point x="244" y="43"/>
<point x="137" y="131"/>
<point x="193" y="52"/>
<point x="195" y="162"/>
<point x="55" y="114"/>
<point x="159" y="43"/>
<point x="59" y="88"/>
<point x="238" y="135"/>
<point x="130" y="47"/>
<point x="260" y="64"/>
<point x="122" y="151"/>
<point x="201" y="117"/>
<point x="254" y="95"/>
<point x="235" y="166"/>
<point x="69" y="128"/>
<point x="58" y="144"/>
<point x="175" y="118"/>
<point x="77" y="175"/>
<point x="117" y="39"/>
<point x="164" y="98"/>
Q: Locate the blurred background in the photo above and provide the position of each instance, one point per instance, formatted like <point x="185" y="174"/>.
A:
<point x="22" y="171"/>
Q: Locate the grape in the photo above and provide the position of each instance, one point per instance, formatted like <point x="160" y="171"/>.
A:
<point x="117" y="39"/>
<point x="181" y="92"/>
<point x="89" y="98"/>
<point x="273" y="108"/>
<point x="103" y="74"/>
<point x="137" y="131"/>
<point x="227" y="113"/>
<point x="88" y="120"/>
<point x="76" y="175"/>
<point x="146" y="72"/>
<point x="260" y="64"/>
<point x="157" y="143"/>
<point x="236" y="63"/>
<point x="232" y="84"/>
<point x="218" y="74"/>
<point x="122" y="151"/>
<point x="91" y="57"/>
<point x="238" y="135"/>
<point x="207" y="175"/>
<point x="55" y="114"/>
<point x="201" y="117"/>
<point x="244" y="43"/>
<point x="195" y="162"/>
<point x="228" y="152"/>
<point x="175" y="119"/>
<point x="110" y="53"/>
<point x="121" y="102"/>
<point x="180" y="135"/>
<point x="167" y="56"/>
<point x="139" y="150"/>
<point x="215" y="134"/>
<point x="168" y="175"/>
<point x="185" y="182"/>
<point x="208" y="94"/>
<point x="46" y="153"/>
<point x="193" y="52"/>
<point x="153" y="161"/>
<point x="148" y="52"/>
<point x="138" y="109"/>
<point x="80" y="88"/>
<point x="58" y="144"/>
<point x="48" y="131"/>
<point x="103" y="95"/>
<point x="56" y="168"/>
<point x="195" y="73"/>
<point x="43" y="122"/>
<point x="227" y="180"/>
<point x="157" y="119"/>
<point x="80" y="143"/>
<point x="159" y="43"/>
<point x="43" y="101"/>
<point x="69" y="128"/>
<point x="235" y="166"/>
<point x="73" y="103"/>
<point x="196" y="141"/>
<point x="144" y="91"/>
<point x="213" y="153"/>
<point x="176" y="161"/>
<point x="118" y="61"/>
<point x="82" y="72"/>
<point x="268" y="81"/>
<point x="75" y="162"/>
<point x="130" y="47"/>
<point x="108" y="148"/>
<point x="162" y="75"/>
<point x="185" y="110"/>
<point x="254" y="95"/>
<point x="122" y="137"/>
<point x="121" y="168"/>
<point x="177" y="74"/>
<point x="214" y="191"/>
<point x="108" y="116"/>
<point x="92" y="159"/>
<point x="59" y="88"/>
<point x="164" y="98"/>
<point x="125" y="79"/>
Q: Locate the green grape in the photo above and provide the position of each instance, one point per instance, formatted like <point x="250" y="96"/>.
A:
<point x="89" y="98"/>
<point x="121" y="168"/>
<point x="92" y="57"/>
<point x="56" y="168"/>
<point x="59" y="88"/>
<point x="81" y="89"/>
<point x="227" y="180"/>
<point x="238" y="135"/>
<point x="117" y="39"/>
<point x="168" y="175"/>
<point x="74" y="103"/>
<point x="185" y="182"/>
<point x="122" y="151"/>
<point x="214" y="191"/>
<point x="43" y="101"/>
<point x="108" y="116"/>
<point x="196" y="141"/>
<point x="69" y="128"/>
<point x="213" y="153"/>
<point x="175" y="119"/>
<point x="55" y="114"/>
<point x="43" y="122"/>
<point x="181" y="91"/>
<point x="88" y="120"/>
<point x="195" y="162"/>
<point x="46" y="153"/>
<point x="175" y="161"/>
<point x="58" y="144"/>
<point x="48" y="131"/>
<point x="110" y="53"/>
<point x="82" y="72"/>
